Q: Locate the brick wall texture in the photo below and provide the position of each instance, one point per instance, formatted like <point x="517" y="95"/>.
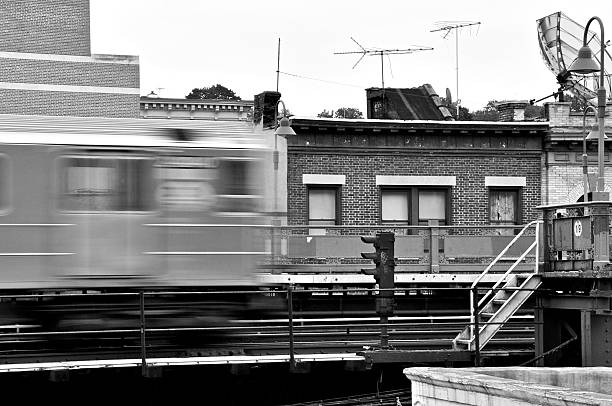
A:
<point x="45" y="26"/>
<point x="29" y="102"/>
<point x="360" y="196"/>
<point x="69" y="73"/>
<point x="60" y="27"/>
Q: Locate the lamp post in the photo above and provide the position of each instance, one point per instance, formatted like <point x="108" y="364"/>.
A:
<point x="282" y="127"/>
<point x="585" y="137"/>
<point x="583" y="65"/>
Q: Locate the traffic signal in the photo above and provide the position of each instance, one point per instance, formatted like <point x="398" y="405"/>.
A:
<point x="374" y="256"/>
<point x="384" y="273"/>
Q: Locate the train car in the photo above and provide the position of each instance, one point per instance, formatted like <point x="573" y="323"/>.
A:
<point x="119" y="204"/>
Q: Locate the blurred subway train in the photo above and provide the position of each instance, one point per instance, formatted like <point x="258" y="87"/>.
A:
<point x="118" y="205"/>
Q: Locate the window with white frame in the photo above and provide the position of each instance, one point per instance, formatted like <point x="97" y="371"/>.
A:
<point x="414" y="205"/>
<point x="323" y="207"/>
<point x="504" y="206"/>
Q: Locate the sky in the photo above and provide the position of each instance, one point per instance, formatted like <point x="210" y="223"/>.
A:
<point x="183" y="44"/>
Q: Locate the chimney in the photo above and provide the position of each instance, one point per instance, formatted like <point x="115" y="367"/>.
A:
<point x="512" y="110"/>
<point x="264" y="105"/>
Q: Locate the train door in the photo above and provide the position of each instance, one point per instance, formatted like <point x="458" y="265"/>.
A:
<point x="24" y="217"/>
<point x="108" y="198"/>
<point x="206" y="241"/>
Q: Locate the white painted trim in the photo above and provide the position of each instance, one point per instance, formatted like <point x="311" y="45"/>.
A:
<point x="403" y="180"/>
<point x="358" y="279"/>
<point x="69" y="88"/>
<point x="321" y="179"/>
<point x="94" y="58"/>
<point x="162" y="362"/>
<point x="508" y="181"/>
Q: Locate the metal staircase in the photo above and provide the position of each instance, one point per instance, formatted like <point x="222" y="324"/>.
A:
<point x="501" y="301"/>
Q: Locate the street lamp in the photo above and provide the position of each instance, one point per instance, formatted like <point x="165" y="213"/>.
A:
<point x="282" y="127"/>
<point x="583" y="65"/>
<point x="591" y="135"/>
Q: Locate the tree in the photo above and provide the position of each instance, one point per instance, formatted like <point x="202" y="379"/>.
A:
<point x="534" y="111"/>
<point x="326" y="114"/>
<point x="348" y="112"/>
<point x="488" y="113"/>
<point x="214" y="92"/>
<point x="342" y="112"/>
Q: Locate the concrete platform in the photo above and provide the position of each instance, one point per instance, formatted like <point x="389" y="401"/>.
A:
<point x="512" y="386"/>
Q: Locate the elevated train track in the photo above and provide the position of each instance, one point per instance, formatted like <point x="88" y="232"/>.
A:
<point x="342" y="332"/>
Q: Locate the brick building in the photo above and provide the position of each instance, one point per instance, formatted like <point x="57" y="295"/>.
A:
<point x="372" y="172"/>
<point x="194" y="109"/>
<point x="563" y="179"/>
<point x="48" y="68"/>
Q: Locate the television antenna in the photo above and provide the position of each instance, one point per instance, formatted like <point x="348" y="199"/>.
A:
<point x="382" y="52"/>
<point x="447" y="27"/>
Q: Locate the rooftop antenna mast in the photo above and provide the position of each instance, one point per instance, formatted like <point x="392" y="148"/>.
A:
<point x="447" y="27"/>
<point x="382" y="52"/>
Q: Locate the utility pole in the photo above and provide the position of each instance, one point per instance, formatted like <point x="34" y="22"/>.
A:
<point x="448" y="26"/>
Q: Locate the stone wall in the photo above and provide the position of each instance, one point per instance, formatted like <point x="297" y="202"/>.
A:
<point x="510" y="386"/>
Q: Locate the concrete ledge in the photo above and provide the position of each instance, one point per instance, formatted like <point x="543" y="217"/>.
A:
<point x="510" y="386"/>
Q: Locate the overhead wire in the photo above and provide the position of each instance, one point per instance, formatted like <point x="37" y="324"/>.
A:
<point x="321" y="80"/>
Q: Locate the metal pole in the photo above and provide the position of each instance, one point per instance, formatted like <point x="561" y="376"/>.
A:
<point x="476" y="327"/>
<point x="277" y="64"/>
<point x="384" y="332"/>
<point x="290" y="310"/>
<point x="457" y="66"/>
<point x="275" y="159"/>
<point x="601" y="102"/>
<point x="382" y="69"/>
<point x="143" y="343"/>
<point x="585" y="170"/>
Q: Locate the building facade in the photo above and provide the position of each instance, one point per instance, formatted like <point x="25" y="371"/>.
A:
<point x="48" y="68"/>
<point x="563" y="178"/>
<point x="378" y="172"/>
<point x="193" y="109"/>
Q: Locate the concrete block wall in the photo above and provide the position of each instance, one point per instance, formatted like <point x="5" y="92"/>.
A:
<point x="45" y="27"/>
<point x="562" y="177"/>
<point x="48" y="68"/>
<point x="560" y="115"/>
<point x="360" y="196"/>
<point x="66" y="103"/>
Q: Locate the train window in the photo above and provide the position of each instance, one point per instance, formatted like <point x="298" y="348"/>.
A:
<point x="236" y="177"/>
<point x="4" y="183"/>
<point x="105" y="184"/>
<point x="238" y="184"/>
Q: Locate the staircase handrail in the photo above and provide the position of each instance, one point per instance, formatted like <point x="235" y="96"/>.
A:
<point x="503" y="277"/>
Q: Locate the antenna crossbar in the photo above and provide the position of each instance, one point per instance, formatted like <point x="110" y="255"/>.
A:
<point x="381" y="52"/>
<point x="385" y="51"/>
<point x="448" y="26"/>
<point x="453" y="26"/>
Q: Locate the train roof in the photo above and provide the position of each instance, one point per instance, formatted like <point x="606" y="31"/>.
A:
<point x="120" y="132"/>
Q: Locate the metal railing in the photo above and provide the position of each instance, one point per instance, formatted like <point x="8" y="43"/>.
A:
<point x="292" y="330"/>
<point x="475" y="305"/>
<point x="429" y="248"/>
